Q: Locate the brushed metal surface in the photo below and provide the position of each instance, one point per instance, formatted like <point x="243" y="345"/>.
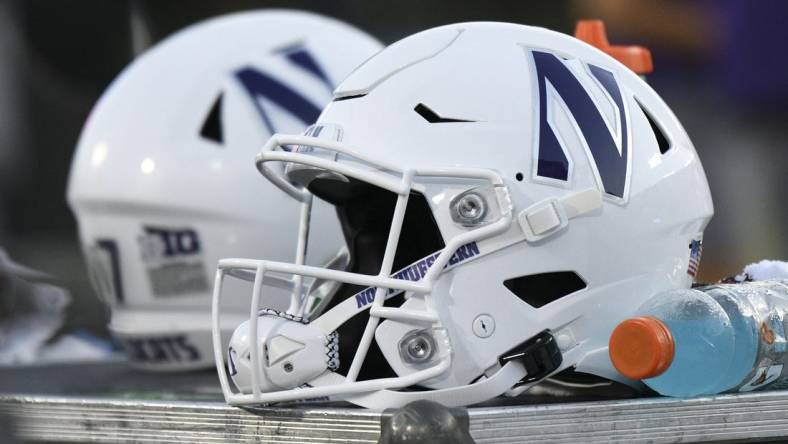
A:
<point x="67" y="419"/>
<point x="748" y="417"/>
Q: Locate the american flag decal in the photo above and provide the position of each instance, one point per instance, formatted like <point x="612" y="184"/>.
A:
<point x="696" y="250"/>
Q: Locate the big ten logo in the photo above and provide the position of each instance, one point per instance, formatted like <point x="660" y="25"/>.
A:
<point x="165" y="243"/>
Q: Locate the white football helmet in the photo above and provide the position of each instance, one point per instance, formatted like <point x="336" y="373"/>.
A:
<point x="163" y="183"/>
<point x="508" y="195"/>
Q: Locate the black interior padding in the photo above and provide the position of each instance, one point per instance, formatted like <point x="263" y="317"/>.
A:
<point x="540" y="289"/>
<point x="365" y="213"/>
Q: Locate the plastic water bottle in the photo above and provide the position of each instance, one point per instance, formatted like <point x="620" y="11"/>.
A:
<point x="708" y="340"/>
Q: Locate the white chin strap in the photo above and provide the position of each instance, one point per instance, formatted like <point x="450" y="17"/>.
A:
<point x="497" y="384"/>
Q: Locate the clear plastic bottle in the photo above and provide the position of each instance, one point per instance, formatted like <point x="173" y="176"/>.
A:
<point x="726" y="337"/>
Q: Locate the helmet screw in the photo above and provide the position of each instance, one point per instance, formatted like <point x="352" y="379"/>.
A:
<point x="470" y="209"/>
<point x="417" y="347"/>
<point x="288" y="367"/>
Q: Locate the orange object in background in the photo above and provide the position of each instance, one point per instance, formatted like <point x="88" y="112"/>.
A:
<point x="636" y="58"/>
<point x="641" y="347"/>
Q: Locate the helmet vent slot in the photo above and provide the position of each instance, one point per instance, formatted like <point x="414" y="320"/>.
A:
<point x="351" y="97"/>
<point x="662" y="139"/>
<point x="541" y="289"/>
<point x="212" y="127"/>
<point x="433" y="117"/>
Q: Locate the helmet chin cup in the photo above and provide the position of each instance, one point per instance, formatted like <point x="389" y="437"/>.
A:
<point x="290" y="353"/>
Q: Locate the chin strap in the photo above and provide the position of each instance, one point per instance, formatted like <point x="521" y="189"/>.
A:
<point x="523" y="366"/>
<point x="504" y="379"/>
<point x="547" y="217"/>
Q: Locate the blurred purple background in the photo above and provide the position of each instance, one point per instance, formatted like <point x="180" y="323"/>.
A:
<point x="720" y="65"/>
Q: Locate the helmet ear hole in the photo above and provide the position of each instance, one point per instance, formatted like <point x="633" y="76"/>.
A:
<point x="541" y="289"/>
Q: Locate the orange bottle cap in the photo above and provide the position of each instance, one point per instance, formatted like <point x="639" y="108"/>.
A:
<point x="636" y="58"/>
<point x="641" y="348"/>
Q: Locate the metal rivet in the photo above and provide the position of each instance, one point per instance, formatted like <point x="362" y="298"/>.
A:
<point x="288" y="367"/>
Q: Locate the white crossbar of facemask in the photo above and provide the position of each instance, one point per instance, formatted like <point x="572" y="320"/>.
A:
<point x="323" y="273"/>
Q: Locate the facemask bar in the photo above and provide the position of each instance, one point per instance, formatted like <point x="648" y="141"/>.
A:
<point x="298" y="297"/>
<point x="382" y="176"/>
<point x="271" y="153"/>
<point x="321" y="291"/>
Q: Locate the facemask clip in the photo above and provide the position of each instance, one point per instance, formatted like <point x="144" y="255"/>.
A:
<point x="539" y="355"/>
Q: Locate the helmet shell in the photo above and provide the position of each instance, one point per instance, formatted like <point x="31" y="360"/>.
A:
<point x="163" y="182"/>
<point x="554" y="116"/>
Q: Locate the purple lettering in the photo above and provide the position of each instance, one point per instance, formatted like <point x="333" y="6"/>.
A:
<point x="422" y="269"/>
<point x="370" y="295"/>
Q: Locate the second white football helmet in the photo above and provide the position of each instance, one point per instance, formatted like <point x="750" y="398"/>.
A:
<point x="508" y="195"/>
<point x="163" y="183"/>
